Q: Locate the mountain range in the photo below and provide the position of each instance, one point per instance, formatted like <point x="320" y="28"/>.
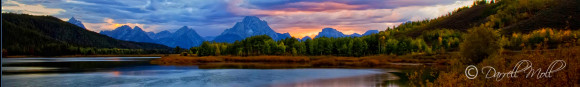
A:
<point x="249" y="26"/>
<point x="127" y="33"/>
<point x="333" y="33"/>
<point x="74" y="21"/>
<point x="183" y="37"/>
<point x="22" y="31"/>
<point x="186" y="37"/>
<point x="330" y="33"/>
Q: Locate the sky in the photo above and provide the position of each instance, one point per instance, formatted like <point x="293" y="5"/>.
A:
<point x="211" y="17"/>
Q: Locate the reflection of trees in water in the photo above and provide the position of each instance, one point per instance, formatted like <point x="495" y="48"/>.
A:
<point x="389" y="78"/>
<point x="66" y="67"/>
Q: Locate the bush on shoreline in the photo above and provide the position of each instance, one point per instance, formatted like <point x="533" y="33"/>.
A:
<point x="479" y="43"/>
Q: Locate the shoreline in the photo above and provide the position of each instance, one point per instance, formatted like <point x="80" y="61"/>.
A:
<point x="132" y="55"/>
<point x="268" y="62"/>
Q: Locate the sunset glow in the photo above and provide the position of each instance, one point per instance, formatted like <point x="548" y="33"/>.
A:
<point x="210" y="18"/>
<point x="290" y="43"/>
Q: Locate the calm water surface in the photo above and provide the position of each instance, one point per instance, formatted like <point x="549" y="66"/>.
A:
<point x="137" y="71"/>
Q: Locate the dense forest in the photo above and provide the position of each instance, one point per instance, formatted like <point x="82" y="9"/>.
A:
<point x="480" y="29"/>
<point x="24" y="34"/>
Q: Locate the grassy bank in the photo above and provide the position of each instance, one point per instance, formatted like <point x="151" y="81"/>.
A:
<point x="540" y="59"/>
<point x="129" y="55"/>
<point x="302" y="61"/>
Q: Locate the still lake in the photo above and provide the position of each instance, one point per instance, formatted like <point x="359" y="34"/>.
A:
<point x="137" y="71"/>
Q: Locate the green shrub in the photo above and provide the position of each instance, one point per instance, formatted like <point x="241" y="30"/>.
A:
<point x="479" y="43"/>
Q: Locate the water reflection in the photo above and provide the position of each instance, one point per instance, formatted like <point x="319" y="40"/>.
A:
<point x="69" y="65"/>
<point x="200" y="77"/>
<point x="132" y="71"/>
<point x="385" y="79"/>
<point x="27" y="68"/>
<point x="151" y="70"/>
<point x="356" y="81"/>
<point x="72" y="59"/>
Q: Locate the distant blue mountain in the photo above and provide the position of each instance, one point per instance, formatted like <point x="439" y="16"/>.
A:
<point x="369" y="32"/>
<point x="129" y="34"/>
<point x="184" y="37"/>
<point x="282" y="36"/>
<point x="305" y="38"/>
<point x="333" y="33"/>
<point x="159" y="35"/>
<point x="250" y="26"/>
<point x="355" y="35"/>
<point x="330" y="33"/>
<point x="74" y="21"/>
<point x="209" y="38"/>
<point x="228" y="38"/>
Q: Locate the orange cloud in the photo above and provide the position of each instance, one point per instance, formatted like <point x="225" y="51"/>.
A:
<point x="300" y="32"/>
<point x="300" y="23"/>
<point x="112" y="25"/>
<point x="313" y="30"/>
<point x="109" y="24"/>
<point x="16" y="7"/>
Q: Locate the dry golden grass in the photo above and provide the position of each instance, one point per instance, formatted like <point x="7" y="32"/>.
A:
<point x="100" y="55"/>
<point x="291" y="61"/>
<point x="184" y="60"/>
<point x="270" y="59"/>
<point x="253" y="65"/>
<point x="568" y="77"/>
<point x="352" y="62"/>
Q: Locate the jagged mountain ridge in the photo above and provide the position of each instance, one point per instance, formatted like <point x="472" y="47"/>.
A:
<point x="74" y="21"/>
<point x="249" y="26"/>
<point x="184" y="37"/>
<point x="330" y="33"/>
<point x="127" y="33"/>
<point x="333" y="33"/>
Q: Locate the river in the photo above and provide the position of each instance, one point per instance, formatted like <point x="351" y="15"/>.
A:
<point x="137" y="71"/>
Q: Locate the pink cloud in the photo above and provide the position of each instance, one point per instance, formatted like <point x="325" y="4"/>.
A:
<point x="301" y="23"/>
<point x="320" y="6"/>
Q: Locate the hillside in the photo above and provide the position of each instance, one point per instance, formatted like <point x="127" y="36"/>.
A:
<point x="26" y="34"/>
<point x="563" y="15"/>
<point x="506" y="15"/>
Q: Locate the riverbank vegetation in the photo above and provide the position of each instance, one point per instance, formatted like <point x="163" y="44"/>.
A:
<point x="540" y="60"/>
<point x="517" y="30"/>
<point x="306" y="61"/>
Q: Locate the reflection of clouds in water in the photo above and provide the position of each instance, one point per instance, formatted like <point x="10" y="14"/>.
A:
<point x="27" y="68"/>
<point x="191" y="77"/>
<point x="153" y="70"/>
<point x="72" y="59"/>
<point x="369" y="80"/>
